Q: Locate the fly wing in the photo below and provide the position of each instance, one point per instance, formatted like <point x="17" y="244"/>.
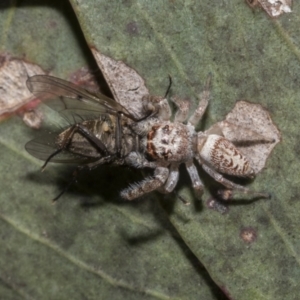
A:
<point x="43" y="146"/>
<point x="72" y="99"/>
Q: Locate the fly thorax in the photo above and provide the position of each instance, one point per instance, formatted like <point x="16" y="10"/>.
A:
<point x="221" y="155"/>
<point x="172" y="142"/>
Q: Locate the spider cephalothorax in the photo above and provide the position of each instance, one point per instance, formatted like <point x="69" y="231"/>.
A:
<point x="170" y="142"/>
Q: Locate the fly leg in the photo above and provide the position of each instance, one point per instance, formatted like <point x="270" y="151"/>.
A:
<point x="90" y="166"/>
<point x="73" y="179"/>
<point x="68" y="138"/>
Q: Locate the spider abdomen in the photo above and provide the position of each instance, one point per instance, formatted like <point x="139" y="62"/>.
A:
<point x="224" y="157"/>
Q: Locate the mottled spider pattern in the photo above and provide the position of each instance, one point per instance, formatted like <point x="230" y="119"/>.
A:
<point x="107" y="132"/>
<point x="166" y="144"/>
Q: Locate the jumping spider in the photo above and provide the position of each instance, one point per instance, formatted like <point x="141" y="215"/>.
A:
<point x="168" y="144"/>
<point x="108" y="133"/>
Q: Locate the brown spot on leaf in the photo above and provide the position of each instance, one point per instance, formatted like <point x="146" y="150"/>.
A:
<point x="248" y="235"/>
<point x="52" y="24"/>
<point x="132" y="28"/>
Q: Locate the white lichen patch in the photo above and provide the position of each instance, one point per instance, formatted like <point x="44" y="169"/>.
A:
<point x="15" y="97"/>
<point x="274" y="8"/>
<point x="250" y="127"/>
<point x="13" y="90"/>
<point x="126" y="85"/>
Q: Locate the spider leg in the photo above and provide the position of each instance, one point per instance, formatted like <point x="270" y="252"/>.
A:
<point x="231" y="185"/>
<point x="147" y="185"/>
<point x="204" y="98"/>
<point x="75" y="173"/>
<point x="196" y="181"/>
<point x="183" y="109"/>
<point x="172" y="180"/>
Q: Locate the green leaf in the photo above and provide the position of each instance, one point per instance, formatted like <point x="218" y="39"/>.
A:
<point x="93" y="245"/>
<point x="90" y="244"/>
<point x="251" y="57"/>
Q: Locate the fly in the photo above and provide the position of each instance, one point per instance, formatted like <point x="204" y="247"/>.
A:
<point x="100" y="132"/>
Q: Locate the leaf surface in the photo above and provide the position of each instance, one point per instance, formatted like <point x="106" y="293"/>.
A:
<point x="251" y="57"/>
<point x="91" y="244"/>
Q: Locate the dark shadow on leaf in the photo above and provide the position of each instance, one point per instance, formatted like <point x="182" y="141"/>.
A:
<point x="113" y="179"/>
<point x="107" y="181"/>
<point x="238" y="202"/>
<point x="161" y="216"/>
<point x="93" y="187"/>
<point x="141" y="238"/>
